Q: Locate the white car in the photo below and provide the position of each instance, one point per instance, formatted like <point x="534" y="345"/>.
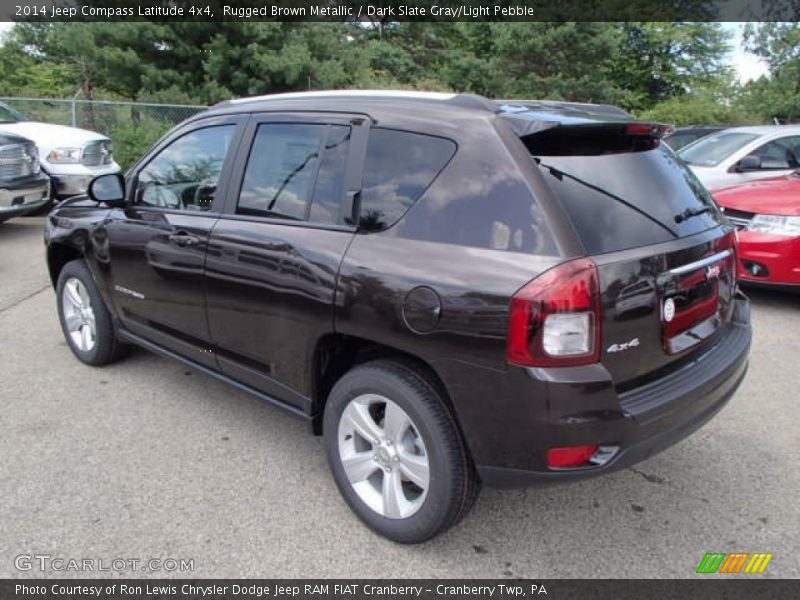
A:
<point x="72" y="157"/>
<point x="740" y="154"/>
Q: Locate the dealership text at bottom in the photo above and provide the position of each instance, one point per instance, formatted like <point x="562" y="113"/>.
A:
<point x="278" y="591"/>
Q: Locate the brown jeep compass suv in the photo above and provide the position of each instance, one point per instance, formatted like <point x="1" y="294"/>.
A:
<point x="453" y="291"/>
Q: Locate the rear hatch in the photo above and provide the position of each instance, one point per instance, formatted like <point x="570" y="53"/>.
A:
<point x="665" y="258"/>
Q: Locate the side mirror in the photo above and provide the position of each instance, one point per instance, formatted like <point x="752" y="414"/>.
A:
<point x="109" y="189"/>
<point x="748" y="163"/>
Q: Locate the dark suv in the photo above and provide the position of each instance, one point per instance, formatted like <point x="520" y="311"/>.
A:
<point x="451" y="290"/>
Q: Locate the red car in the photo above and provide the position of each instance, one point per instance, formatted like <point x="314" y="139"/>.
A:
<point x="767" y="216"/>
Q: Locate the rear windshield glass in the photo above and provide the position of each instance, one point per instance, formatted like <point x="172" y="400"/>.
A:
<point x="712" y="150"/>
<point x="619" y="199"/>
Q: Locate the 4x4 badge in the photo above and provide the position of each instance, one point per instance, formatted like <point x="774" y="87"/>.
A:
<point x="623" y="346"/>
<point x="669" y="309"/>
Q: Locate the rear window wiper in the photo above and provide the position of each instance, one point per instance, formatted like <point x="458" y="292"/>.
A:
<point x="692" y="212"/>
<point x="558" y="174"/>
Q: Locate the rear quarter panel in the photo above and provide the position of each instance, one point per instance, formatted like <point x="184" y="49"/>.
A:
<point x="474" y="287"/>
<point x="480" y="231"/>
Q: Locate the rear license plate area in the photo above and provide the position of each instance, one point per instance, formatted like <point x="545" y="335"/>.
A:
<point x="690" y="311"/>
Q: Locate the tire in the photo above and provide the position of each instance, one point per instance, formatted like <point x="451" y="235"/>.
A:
<point x="388" y="492"/>
<point x="85" y="320"/>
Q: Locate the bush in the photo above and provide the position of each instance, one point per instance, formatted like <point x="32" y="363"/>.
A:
<point x="700" y="109"/>
<point x="132" y="139"/>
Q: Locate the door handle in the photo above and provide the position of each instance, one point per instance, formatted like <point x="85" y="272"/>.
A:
<point x="184" y="239"/>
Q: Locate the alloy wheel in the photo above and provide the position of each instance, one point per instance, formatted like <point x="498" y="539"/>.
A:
<point x="383" y="456"/>
<point x="76" y="306"/>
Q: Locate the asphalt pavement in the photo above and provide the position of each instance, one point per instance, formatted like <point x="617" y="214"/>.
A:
<point x="147" y="459"/>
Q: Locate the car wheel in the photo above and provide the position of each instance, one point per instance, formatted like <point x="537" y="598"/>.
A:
<point x="396" y="453"/>
<point x="85" y="320"/>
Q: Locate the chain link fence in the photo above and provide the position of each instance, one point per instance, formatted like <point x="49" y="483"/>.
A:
<point x="132" y="126"/>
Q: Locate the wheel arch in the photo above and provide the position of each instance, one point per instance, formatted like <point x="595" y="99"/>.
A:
<point x="58" y="255"/>
<point x="335" y="354"/>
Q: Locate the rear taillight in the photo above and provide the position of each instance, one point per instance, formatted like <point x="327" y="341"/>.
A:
<point x="555" y="319"/>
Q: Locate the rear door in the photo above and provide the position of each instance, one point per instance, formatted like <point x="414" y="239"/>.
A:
<point x="664" y="257"/>
<point x="273" y="258"/>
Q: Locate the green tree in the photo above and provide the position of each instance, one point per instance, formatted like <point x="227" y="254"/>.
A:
<point x="704" y="105"/>
<point x="776" y="96"/>
<point x="568" y="61"/>
<point x="658" y="61"/>
<point x="22" y="75"/>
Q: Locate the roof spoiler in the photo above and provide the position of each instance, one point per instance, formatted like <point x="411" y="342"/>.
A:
<point x="586" y="107"/>
<point x="526" y="122"/>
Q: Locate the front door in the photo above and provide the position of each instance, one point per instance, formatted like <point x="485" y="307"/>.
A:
<point x="158" y="243"/>
<point x="273" y="258"/>
<point x="778" y="157"/>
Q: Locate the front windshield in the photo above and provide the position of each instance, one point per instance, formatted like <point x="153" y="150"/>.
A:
<point x="713" y="149"/>
<point x="9" y="115"/>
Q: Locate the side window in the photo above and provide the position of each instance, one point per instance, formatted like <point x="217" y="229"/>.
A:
<point x="184" y="175"/>
<point x="783" y="153"/>
<point x="399" y="167"/>
<point x="288" y="163"/>
<point x="280" y="170"/>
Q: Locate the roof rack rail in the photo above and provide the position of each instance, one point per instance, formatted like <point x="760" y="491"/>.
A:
<point x="464" y="100"/>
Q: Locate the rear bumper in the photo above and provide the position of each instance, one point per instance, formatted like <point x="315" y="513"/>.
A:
<point x="553" y="408"/>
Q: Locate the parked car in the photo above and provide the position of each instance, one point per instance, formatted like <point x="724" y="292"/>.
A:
<point x="741" y="154"/>
<point x="70" y="156"/>
<point x="23" y="188"/>
<point x="683" y="136"/>
<point x="429" y="280"/>
<point x="767" y="215"/>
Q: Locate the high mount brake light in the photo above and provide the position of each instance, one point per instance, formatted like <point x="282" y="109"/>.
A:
<point x="656" y="130"/>
<point x="555" y="318"/>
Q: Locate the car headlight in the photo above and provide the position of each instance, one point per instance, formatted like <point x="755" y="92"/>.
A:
<point x="64" y="155"/>
<point x="36" y="167"/>
<point x="776" y="225"/>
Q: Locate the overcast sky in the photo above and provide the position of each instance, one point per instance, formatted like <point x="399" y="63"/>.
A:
<point x="747" y="66"/>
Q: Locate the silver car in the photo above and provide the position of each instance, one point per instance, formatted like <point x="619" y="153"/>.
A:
<point x="742" y="154"/>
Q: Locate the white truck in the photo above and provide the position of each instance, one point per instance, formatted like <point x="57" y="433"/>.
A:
<point x="70" y="156"/>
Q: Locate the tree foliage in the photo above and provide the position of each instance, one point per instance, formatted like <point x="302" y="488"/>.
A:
<point x="660" y="61"/>
<point x="673" y="71"/>
<point x="775" y="97"/>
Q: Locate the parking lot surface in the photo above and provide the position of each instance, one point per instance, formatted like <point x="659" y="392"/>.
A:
<point x="149" y="459"/>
